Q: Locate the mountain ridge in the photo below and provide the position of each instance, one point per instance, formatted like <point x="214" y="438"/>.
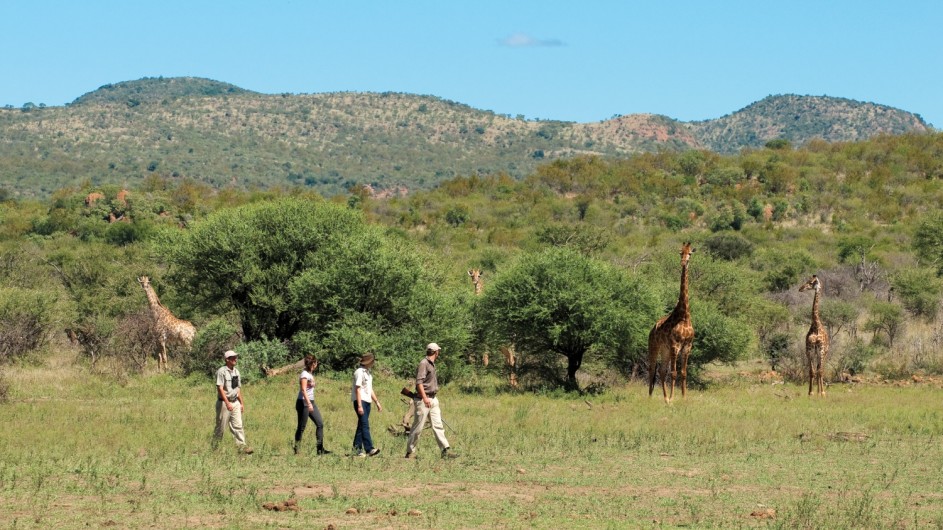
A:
<point x="222" y="135"/>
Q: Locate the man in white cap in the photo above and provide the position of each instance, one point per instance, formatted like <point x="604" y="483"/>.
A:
<point x="229" y="403"/>
<point x="427" y="405"/>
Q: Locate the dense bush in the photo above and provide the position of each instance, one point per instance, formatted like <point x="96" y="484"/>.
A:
<point x="27" y="319"/>
<point x="212" y="339"/>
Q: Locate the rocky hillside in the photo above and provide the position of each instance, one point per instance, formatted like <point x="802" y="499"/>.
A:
<point x="221" y="135"/>
<point x="801" y="118"/>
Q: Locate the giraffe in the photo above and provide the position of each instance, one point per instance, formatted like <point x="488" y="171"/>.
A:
<point x="816" y="340"/>
<point x="672" y="337"/>
<point x="507" y="350"/>
<point x="170" y="329"/>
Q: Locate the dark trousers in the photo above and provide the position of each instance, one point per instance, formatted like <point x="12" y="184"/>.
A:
<point x="362" y="440"/>
<point x="303" y="415"/>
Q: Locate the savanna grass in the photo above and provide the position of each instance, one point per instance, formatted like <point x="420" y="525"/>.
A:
<point x="77" y="450"/>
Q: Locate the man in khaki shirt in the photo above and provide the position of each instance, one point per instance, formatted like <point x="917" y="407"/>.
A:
<point x="427" y="405"/>
<point x="229" y="403"/>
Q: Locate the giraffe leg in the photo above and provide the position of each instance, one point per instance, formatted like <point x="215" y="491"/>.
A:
<point x="685" y="352"/>
<point x="809" y="358"/>
<point x="820" y="371"/>
<point x="673" y="366"/>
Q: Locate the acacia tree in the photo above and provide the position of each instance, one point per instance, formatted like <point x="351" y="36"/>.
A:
<point x="318" y="273"/>
<point x="561" y="303"/>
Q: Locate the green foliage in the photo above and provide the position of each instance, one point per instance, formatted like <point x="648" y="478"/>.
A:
<point x="919" y="291"/>
<point x="782" y="269"/>
<point x="838" y="315"/>
<point x="27" y="319"/>
<point x="291" y="266"/>
<point x="247" y="257"/>
<point x="928" y="241"/>
<point x="212" y="339"/>
<point x="728" y="246"/>
<point x="717" y="337"/>
<point x="256" y="355"/>
<point x="561" y="303"/>
<point x="887" y="319"/>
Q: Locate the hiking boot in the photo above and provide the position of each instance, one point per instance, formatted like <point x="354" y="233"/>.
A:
<point x="447" y="453"/>
<point x="245" y="450"/>
<point x="374" y="452"/>
<point x="323" y="451"/>
<point x="410" y="456"/>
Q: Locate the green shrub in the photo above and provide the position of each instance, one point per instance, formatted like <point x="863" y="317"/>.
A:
<point x="256" y="355"/>
<point x="211" y="341"/>
<point x="27" y="318"/>
<point x="728" y="246"/>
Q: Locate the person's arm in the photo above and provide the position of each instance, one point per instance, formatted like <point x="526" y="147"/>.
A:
<point x="222" y="395"/>
<point x="420" y="388"/>
<point x="377" y="401"/>
<point x="357" y="381"/>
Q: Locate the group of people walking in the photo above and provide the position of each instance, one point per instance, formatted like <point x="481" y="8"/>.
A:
<point x="230" y="405"/>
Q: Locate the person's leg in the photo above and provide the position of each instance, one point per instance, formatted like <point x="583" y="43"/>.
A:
<point x="222" y="419"/>
<point x="419" y="419"/>
<point x="358" y="434"/>
<point x="367" y="439"/>
<point x="235" y="424"/>
<point x="315" y="416"/>
<point x="302" y="412"/>
<point x="435" y="415"/>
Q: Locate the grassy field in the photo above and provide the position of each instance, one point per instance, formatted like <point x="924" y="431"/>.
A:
<point x="80" y="451"/>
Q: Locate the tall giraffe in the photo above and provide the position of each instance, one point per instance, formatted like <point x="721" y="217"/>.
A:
<point x="671" y="338"/>
<point x="507" y="350"/>
<point x="170" y="329"/>
<point x="816" y="341"/>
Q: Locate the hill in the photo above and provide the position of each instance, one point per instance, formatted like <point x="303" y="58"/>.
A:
<point x="222" y="135"/>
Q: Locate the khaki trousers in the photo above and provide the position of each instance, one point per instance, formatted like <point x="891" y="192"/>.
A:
<point x="233" y="419"/>
<point x="423" y="413"/>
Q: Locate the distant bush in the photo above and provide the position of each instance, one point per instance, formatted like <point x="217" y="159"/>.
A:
<point x="211" y="341"/>
<point x="728" y="246"/>
<point x="26" y="321"/>
<point x="256" y="355"/>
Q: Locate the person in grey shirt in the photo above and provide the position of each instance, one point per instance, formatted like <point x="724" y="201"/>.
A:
<point x="427" y="405"/>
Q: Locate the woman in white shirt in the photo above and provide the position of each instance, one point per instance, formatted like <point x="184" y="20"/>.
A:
<point x="306" y="407"/>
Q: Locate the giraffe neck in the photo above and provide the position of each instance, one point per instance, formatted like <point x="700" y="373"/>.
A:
<point x="153" y="301"/>
<point x="477" y="288"/>
<point x="682" y="307"/>
<point x="816" y="321"/>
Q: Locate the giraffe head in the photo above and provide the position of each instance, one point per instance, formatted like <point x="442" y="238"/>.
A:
<point x="686" y="252"/>
<point x="144" y="281"/>
<point x="813" y="283"/>
<point x="475" y="275"/>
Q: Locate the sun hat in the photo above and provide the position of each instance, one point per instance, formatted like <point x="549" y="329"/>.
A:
<point x="367" y="358"/>
<point x="433" y="347"/>
<point x="229" y="354"/>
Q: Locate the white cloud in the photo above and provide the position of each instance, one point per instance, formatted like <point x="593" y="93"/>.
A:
<point x="523" y="40"/>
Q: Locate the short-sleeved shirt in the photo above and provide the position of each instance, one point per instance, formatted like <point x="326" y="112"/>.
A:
<point x="426" y="377"/>
<point x="310" y="388"/>
<point x="229" y="380"/>
<point x="363" y="380"/>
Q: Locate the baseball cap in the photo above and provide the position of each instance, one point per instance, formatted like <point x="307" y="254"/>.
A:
<point x="229" y="354"/>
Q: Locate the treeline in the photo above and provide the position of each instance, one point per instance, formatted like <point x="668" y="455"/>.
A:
<point x="579" y="259"/>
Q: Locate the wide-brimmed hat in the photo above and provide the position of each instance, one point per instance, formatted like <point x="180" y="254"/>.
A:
<point x="432" y="347"/>
<point x="229" y="354"/>
<point x="367" y="358"/>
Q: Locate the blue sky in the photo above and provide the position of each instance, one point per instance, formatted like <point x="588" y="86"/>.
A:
<point x="577" y="61"/>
